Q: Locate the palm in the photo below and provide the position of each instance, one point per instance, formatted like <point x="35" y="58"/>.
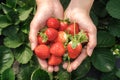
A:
<point x="44" y="11"/>
<point x="87" y="25"/>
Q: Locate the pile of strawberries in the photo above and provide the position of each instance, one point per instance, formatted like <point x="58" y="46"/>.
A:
<point x="60" y="40"/>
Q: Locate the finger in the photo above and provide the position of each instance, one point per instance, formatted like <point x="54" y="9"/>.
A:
<point x="43" y="64"/>
<point x="37" y="23"/>
<point x="56" y="68"/>
<point x="69" y="68"/>
<point x="91" y="44"/>
<point x="79" y="59"/>
<point x="58" y="10"/>
<point x="50" y="69"/>
<point x="92" y="33"/>
<point x="67" y="15"/>
<point x="65" y="65"/>
<point x="33" y="38"/>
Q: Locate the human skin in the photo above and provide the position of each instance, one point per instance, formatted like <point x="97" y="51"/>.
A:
<point x="78" y="11"/>
<point x="45" y="10"/>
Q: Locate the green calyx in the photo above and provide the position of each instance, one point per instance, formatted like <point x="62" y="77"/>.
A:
<point x="82" y="37"/>
<point x="44" y="36"/>
<point x="79" y="38"/>
<point x="65" y="20"/>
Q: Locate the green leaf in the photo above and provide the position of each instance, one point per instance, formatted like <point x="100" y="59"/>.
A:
<point x="82" y="70"/>
<point x="101" y="10"/>
<point x="14" y="41"/>
<point x="0" y="31"/>
<point x="4" y="22"/>
<point x="6" y="58"/>
<point x="24" y="13"/>
<point x="0" y="7"/>
<point x="118" y="73"/>
<point x="10" y="31"/>
<point x="65" y="3"/>
<point x="113" y="8"/>
<point x="105" y="39"/>
<point x="103" y="59"/>
<point x="109" y="76"/>
<point x="6" y="9"/>
<point x="39" y="74"/>
<point x="63" y="75"/>
<point x="21" y="3"/>
<point x="88" y="78"/>
<point x="114" y="27"/>
<point x="25" y="72"/>
<point x="94" y="18"/>
<point x="25" y="27"/>
<point x="29" y="3"/>
<point x="0" y="77"/>
<point x="11" y="13"/>
<point x="8" y="74"/>
<point x="11" y="3"/>
<point x="23" y="54"/>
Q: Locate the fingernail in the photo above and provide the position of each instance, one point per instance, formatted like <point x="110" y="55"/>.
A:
<point x="74" y="67"/>
<point x="50" y="69"/>
<point x="56" y="69"/>
<point x="65" y="65"/>
<point x="90" y="51"/>
<point x="69" y="69"/>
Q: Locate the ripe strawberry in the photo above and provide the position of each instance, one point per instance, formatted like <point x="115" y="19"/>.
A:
<point x="51" y="34"/>
<point x="54" y="60"/>
<point x="41" y="40"/>
<point x="42" y="51"/>
<point x="73" y="28"/>
<point x="73" y="52"/>
<point x="63" y="26"/>
<point x="57" y="49"/>
<point x="53" y="23"/>
<point x="62" y="37"/>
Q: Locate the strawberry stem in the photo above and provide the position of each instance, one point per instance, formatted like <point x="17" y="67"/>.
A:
<point x="68" y="62"/>
<point x="50" y="75"/>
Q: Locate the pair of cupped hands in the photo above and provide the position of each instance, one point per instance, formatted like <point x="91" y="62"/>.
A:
<point x="78" y="11"/>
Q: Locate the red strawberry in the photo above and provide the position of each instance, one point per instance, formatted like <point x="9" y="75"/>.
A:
<point x="74" y="52"/>
<point x="62" y="37"/>
<point x="57" y="49"/>
<point x="54" y="60"/>
<point x="41" y="40"/>
<point x="53" y="23"/>
<point x="73" y="28"/>
<point x="63" y="26"/>
<point x="42" y="51"/>
<point x="51" y="34"/>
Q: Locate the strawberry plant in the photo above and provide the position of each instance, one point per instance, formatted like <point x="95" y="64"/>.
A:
<point x="18" y="61"/>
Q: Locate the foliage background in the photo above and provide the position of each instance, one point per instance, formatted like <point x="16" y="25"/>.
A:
<point x="18" y="62"/>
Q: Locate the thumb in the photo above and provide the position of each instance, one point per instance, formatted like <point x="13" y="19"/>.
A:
<point x="37" y="23"/>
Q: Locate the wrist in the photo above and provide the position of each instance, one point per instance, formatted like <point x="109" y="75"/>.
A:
<point x="84" y="5"/>
<point x="38" y="2"/>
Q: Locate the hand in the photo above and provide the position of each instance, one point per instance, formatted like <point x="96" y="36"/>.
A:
<point x="78" y="11"/>
<point x="45" y="10"/>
